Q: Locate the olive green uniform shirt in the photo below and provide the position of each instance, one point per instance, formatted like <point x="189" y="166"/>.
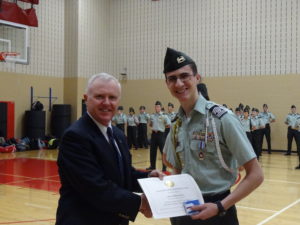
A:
<point x="208" y="172"/>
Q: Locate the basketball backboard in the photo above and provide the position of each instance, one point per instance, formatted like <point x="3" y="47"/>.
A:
<point x="14" y="42"/>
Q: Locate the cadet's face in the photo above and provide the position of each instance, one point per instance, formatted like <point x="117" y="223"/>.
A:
<point x="246" y="114"/>
<point x="253" y="113"/>
<point x="182" y="83"/>
<point x="142" y="110"/>
<point x="102" y="100"/>
<point x="170" y="109"/>
<point x="265" y="109"/>
<point x="157" y="108"/>
<point x="293" y="110"/>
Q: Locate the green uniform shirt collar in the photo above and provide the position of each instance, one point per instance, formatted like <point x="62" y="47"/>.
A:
<point x="200" y="107"/>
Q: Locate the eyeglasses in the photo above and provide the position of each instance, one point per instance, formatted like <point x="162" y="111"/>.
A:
<point x="184" y="77"/>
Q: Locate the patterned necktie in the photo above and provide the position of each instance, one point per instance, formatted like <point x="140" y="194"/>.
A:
<point x="118" y="153"/>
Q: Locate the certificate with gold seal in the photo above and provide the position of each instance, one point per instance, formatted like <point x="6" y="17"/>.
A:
<point x="168" y="196"/>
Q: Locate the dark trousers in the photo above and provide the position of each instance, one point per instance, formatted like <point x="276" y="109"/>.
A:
<point x="256" y="142"/>
<point x="131" y="136"/>
<point x="142" y="135"/>
<point x="121" y="126"/>
<point x="167" y="130"/>
<point x="249" y="136"/>
<point x="157" y="140"/>
<point x="290" y="135"/>
<point x="230" y="218"/>
<point x="266" y="132"/>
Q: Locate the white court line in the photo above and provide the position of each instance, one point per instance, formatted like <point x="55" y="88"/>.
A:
<point x="37" y="206"/>
<point x="256" y="209"/>
<point x="279" y="212"/>
<point x="282" y="181"/>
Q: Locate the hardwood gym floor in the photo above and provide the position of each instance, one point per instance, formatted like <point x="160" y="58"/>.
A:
<point x="29" y="190"/>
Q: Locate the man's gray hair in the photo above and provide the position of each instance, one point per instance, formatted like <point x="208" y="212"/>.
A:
<point x="103" y="77"/>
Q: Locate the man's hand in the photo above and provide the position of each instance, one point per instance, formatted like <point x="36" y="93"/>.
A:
<point x="157" y="173"/>
<point x="206" y="211"/>
<point x="145" y="207"/>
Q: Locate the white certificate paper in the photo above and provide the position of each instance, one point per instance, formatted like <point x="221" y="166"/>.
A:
<point x="166" y="197"/>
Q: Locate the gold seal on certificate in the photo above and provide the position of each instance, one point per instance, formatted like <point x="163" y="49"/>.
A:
<point x="169" y="183"/>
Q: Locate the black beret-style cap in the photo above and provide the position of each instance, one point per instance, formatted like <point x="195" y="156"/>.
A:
<point x="175" y="60"/>
<point x="120" y="107"/>
<point x="158" y="103"/>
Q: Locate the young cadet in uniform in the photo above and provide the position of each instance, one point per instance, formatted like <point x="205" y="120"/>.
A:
<point x="290" y="120"/>
<point x="208" y="142"/>
<point x="143" y="118"/>
<point x="256" y="126"/>
<point x="120" y="119"/>
<point x="171" y="114"/>
<point x="268" y="118"/>
<point x="132" y="122"/>
<point x="246" y="123"/>
<point x="158" y="123"/>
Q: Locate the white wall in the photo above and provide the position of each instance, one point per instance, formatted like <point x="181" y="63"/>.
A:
<point x="225" y="37"/>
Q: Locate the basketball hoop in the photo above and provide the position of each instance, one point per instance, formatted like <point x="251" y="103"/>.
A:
<point x="9" y="58"/>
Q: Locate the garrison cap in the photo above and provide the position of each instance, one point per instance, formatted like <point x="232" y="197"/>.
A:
<point x="175" y="60"/>
<point x="120" y="107"/>
<point x="131" y="109"/>
<point x="158" y="103"/>
<point x="170" y="104"/>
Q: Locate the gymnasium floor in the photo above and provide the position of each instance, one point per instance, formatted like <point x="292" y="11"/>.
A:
<point x="29" y="190"/>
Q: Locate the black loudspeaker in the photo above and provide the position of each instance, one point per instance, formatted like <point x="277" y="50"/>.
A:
<point x="3" y="119"/>
<point x="60" y="119"/>
<point x="35" y="122"/>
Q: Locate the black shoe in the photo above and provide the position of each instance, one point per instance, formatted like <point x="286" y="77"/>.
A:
<point x="287" y="153"/>
<point x="150" y="168"/>
<point x="297" y="167"/>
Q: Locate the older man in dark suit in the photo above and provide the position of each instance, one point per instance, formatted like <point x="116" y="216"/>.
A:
<point x="95" y="164"/>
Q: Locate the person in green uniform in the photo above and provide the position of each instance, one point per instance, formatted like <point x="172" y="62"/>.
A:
<point x="158" y="123"/>
<point x="143" y="118"/>
<point x="290" y="120"/>
<point x="207" y="141"/>
<point x="120" y="119"/>
<point x="268" y="118"/>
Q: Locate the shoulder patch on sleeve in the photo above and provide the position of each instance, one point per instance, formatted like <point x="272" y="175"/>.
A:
<point x="218" y="111"/>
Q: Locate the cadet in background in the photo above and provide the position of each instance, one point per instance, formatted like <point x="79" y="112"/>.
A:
<point x="171" y="114"/>
<point x="143" y="118"/>
<point x="292" y="132"/>
<point x="132" y="122"/>
<point x="268" y="118"/>
<point x="158" y="123"/>
<point x="120" y="119"/>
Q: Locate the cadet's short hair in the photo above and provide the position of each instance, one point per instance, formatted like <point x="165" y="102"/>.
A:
<point x="131" y="109"/>
<point x="293" y="106"/>
<point x="265" y="105"/>
<point x="142" y="107"/>
<point x="158" y="103"/>
<point x="120" y="107"/>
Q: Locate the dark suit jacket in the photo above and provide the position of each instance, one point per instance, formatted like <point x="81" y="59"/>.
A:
<point x="92" y="192"/>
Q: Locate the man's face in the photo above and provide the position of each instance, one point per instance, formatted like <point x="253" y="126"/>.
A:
<point x="265" y="109"/>
<point x="246" y="114"/>
<point x="102" y="100"/>
<point x="157" y="108"/>
<point x="182" y="83"/>
<point x="253" y="113"/>
<point x="293" y="110"/>
<point x="142" y="110"/>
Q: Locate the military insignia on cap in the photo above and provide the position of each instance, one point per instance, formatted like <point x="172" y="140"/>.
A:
<point x="175" y="60"/>
<point x="180" y="59"/>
